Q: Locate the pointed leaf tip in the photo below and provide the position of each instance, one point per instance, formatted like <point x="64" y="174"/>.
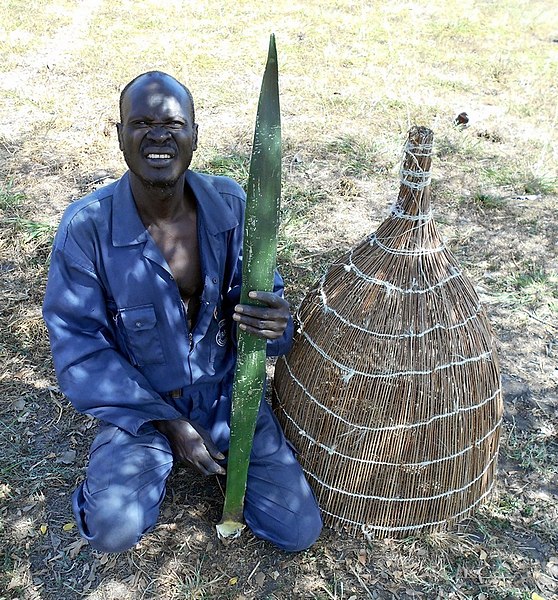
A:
<point x="272" y="52"/>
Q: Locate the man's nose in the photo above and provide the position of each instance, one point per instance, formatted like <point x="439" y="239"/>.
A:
<point x="158" y="132"/>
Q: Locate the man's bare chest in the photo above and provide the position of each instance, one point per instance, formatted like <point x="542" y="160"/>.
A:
<point x="179" y="246"/>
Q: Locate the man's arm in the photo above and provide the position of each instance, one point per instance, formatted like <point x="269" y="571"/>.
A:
<point x="91" y="371"/>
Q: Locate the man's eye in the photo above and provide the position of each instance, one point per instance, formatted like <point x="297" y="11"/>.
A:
<point x="140" y="124"/>
<point x="175" y="125"/>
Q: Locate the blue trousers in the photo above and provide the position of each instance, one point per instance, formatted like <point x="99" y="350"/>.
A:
<point x="119" y="500"/>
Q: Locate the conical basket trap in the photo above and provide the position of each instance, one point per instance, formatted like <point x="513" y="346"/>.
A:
<point x="391" y="391"/>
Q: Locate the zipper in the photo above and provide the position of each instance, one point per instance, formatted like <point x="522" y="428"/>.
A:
<point x="190" y="350"/>
<point x="189" y="334"/>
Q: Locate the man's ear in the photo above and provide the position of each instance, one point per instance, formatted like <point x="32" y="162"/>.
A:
<point x="119" y="134"/>
<point x="195" y="137"/>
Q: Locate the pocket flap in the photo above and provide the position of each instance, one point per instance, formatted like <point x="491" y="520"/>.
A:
<point x="139" y="318"/>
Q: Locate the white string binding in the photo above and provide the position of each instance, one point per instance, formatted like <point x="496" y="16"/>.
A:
<point x="333" y="451"/>
<point x="346" y="369"/>
<point x="405" y="252"/>
<point x="420" y="179"/>
<point x="397" y="211"/>
<point x="414" y="499"/>
<point x="399" y="336"/>
<point x="417" y="149"/>
<point x="401" y="426"/>
<point x="366" y="528"/>
<point x="391" y="287"/>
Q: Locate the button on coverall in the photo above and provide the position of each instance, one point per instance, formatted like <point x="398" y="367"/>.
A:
<point x="120" y="344"/>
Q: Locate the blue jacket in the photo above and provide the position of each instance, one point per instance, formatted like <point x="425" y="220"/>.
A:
<point x="117" y="326"/>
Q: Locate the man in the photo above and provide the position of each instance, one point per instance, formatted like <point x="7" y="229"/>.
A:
<point x="141" y="307"/>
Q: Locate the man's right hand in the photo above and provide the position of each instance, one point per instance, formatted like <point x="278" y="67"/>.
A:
<point x="191" y="443"/>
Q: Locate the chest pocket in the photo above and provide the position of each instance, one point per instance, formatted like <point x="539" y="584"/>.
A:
<point x="142" y="334"/>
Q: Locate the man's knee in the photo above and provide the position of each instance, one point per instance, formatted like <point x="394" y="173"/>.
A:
<point x="112" y="537"/>
<point x="120" y="499"/>
<point x="288" y="518"/>
<point x="303" y="532"/>
<point x="110" y="523"/>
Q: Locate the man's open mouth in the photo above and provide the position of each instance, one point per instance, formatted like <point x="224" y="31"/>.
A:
<point x="153" y="156"/>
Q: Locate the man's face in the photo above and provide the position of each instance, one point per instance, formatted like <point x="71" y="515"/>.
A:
<point x="157" y="134"/>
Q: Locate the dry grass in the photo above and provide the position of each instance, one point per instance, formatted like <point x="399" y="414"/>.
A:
<point x="354" y="77"/>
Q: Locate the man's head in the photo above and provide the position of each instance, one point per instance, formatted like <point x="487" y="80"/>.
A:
<point x="157" y="132"/>
<point x="156" y="75"/>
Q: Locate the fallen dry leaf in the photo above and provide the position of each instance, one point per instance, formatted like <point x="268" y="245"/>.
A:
<point x="74" y="548"/>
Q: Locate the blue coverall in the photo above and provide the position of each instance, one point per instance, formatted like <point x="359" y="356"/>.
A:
<point x="123" y="353"/>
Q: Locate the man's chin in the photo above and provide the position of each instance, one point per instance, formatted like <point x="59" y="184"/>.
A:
<point x="161" y="183"/>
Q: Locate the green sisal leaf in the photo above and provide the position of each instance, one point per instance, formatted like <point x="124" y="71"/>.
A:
<point x="258" y="267"/>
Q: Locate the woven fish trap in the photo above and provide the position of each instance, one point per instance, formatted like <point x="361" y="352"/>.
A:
<point x="391" y="391"/>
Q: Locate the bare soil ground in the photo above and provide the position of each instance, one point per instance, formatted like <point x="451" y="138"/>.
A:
<point x="353" y="79"/>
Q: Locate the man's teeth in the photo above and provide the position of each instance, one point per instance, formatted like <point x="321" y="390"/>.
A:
<point x="158" y="156"/>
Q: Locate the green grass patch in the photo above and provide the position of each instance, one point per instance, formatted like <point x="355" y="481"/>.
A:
<point x="300" y="265"/>
<point x="485" y="200"/>
<point x="520" y="180"/>
<point x="508" y="504"/>
<point x="33" y="231"/>
<point x="536" y="286"/>
<point x="360" y="157"/>
<point x="235" y="166"/>
<point x="531" y="287"/>
<point x="540" y="185"/>
<point x="460" y="144"/>
<point x="533" y="452"/>
<point x="10" y="199"/>
<point x="501" y="175"/>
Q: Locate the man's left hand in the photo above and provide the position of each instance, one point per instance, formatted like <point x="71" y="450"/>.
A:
<point x="268" y="321"/>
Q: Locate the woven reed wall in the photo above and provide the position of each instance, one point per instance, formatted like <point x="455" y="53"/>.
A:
<point x="391" y="391"/>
